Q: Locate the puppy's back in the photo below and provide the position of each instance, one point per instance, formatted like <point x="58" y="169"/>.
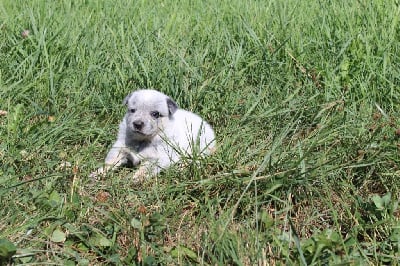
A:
<point x="190" y="129"/>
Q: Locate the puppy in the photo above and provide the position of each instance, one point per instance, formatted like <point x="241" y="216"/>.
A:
<point x="155" y="133"/>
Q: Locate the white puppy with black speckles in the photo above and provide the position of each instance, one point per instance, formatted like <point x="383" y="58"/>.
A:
<point x="155" y="133"/>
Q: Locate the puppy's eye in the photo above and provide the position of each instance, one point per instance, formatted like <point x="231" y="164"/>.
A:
<point x="132" y="110"/>
<point x="155" y="114"/>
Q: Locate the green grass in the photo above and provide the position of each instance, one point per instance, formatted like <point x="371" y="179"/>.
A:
<point x="304" y="99"/>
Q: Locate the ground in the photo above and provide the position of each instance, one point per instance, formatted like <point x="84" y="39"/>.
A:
<point x="304" y="99"/>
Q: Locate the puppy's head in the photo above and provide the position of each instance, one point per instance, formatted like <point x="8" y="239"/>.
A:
<point x="148" y="113"/>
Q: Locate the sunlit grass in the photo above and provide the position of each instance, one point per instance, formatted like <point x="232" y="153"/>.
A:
<point x="303" y="97"/>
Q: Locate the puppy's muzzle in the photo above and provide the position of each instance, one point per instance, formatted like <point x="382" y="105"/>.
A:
<point x="138" y="125"/>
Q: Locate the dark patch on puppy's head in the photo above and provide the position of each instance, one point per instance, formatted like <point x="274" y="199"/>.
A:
<point x="126" y="99"/>
<point x="172" y="106"/>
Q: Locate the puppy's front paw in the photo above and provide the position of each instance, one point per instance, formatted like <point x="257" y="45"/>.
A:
<point x="140" y="174"/>
<point x="99" y="173"/>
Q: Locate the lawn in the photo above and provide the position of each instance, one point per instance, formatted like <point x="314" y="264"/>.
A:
<point x="304" y="97"/>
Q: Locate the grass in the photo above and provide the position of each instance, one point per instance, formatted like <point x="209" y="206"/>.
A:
<point x="304" y="98"/>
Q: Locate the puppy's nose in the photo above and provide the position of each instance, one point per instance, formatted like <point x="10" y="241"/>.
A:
<point x="138" y="125"/>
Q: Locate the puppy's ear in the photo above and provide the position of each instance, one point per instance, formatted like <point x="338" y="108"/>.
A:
<point x="125" y="101"/>
<point x="172" y="106"/>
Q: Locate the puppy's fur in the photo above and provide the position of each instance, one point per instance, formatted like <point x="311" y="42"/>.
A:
<point x="154" y="133"/>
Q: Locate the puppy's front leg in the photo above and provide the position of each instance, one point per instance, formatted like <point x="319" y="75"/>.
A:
<point x="146" y="170"/>
<point x="115" y="158"/>
<point x="150" y="168"/>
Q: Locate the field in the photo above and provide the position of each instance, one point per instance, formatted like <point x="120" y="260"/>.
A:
<point x="304" y="97"/>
